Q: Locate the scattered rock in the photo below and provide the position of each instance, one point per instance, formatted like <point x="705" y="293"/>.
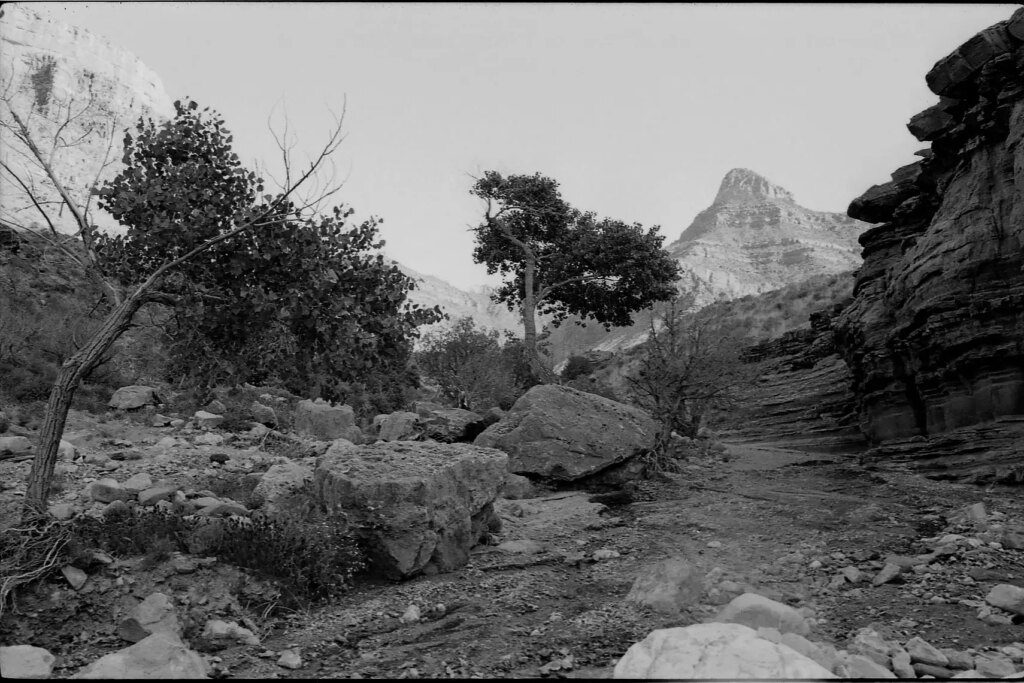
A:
<point x="1008" y="597"/>
<point x="65" y="451"/>
<point x="138" y="483"/>
<point x="205" y="420"/>
<point x="75" y="576"/>
<point x="62" y="511"/>
<point x="265" y="415"/>
<point x="281" y="480"/>
<point x="902" y="666"/>
<point x="714" y="651"/>
<point x="753" y="610"/>
<point x="324" y="421"/>
<point x="14" y="445"/>
<point x="161" y="655"/>
<point x="520" y="547"/>
<point x="605" y="554"/>
<point x="290" y="659"/>
<point x="888" y="572"/>
<point x="668" y="586"/>
<point x="411" y="615"/>
<point x="155" y="614"/>
<point x="517" y="487"/>
<point x="26" y="662"/>
<point x="153" y="495"/>
<point x="133" y="397"/>
<point x="922" y="669"/>
<point x="399" y="426"/>
<point x="993" y="665"/>
<point x="219" y="634"/>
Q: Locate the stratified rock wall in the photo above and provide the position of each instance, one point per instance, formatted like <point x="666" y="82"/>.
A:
<point x="55" y="74"/>
<point x="935" y="334"/>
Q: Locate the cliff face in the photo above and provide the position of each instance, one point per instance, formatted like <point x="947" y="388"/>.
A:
<point x="935" y="334"/>
<point x="61" y="78"/>
<point x="457" y="303"/>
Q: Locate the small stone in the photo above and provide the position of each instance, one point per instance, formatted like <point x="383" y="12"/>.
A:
<point x="852" y="574"/>
<point x="605" y="554"/>
<point x="925" y="653"/>
<point x="816" y="564"/>
<point x="411" y="616"/>
<point x="107" y="491"/>
<point x="117" y="507"/>
<point x="138" y="483"/>
<point x="957" y="659"/>
<point x="932" y="670"/>
<point x="66" y="450"/>
<point x="714" y="544"/>
<point x="1008" y="597"/>
<point x="993" y="665"/>
<point x="62" y="511"/>
<point x="156" y="494"/>
<point x="290" y="659"/>
<point x="886" y="574"/>
<point x="219" y="457"/>
<point x="901" y="665"/>
<point x="183" y="565"/>
<point x="75" y="576"/>
<point x="111" y="465"/>
<point x="209" y="439"/>
<point x="859" y="666"/>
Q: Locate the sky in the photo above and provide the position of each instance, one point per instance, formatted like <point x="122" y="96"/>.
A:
<point x="637" y="110"/>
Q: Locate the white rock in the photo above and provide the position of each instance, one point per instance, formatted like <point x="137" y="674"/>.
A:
<point x="1008" y="597"/>
<point x="216" y="630"/>
<point x="26" y="661"/>
<point x="411" y="616"/>
<point x="290" y="659"/>
<point x="753" y="610"/>
<point x="65" y="451"/>
<point x="161" y="655"/>
<point x="15" y="445"/>
<point x="714" y="651"/>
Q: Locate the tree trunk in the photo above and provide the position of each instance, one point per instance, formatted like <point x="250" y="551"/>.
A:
<point x="537" y="367"/>
<point x="70" y="376"/>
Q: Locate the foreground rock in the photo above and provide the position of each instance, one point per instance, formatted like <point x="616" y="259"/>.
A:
<point x="563" y="434"/>
<point x="757" y="611"/>
<point x="714" y="651"/>
<point x="161" y="655"/>
<point x="433" y="501"/>
<point x="668" y="587"/>
<point x="26" y="661"/>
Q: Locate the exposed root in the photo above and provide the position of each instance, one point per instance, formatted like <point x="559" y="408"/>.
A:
<point x="29" y="552"/>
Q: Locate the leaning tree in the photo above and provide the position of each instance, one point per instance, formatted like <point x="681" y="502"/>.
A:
<point x="559" y="261"/>
<point x="181" y="240"/>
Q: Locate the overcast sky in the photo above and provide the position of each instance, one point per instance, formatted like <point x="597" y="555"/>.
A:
<point x="637" y="110"/>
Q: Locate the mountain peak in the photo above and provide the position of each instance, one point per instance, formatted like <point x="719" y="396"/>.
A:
<point x="743" y="186"/>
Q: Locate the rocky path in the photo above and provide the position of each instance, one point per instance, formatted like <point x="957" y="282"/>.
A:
<point x="804" y="528"/>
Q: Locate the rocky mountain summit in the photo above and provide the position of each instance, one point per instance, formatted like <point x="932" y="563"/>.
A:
<point x="59" y="74"/>
<point x="932" y="336"/>
<point x="755" y="238"/>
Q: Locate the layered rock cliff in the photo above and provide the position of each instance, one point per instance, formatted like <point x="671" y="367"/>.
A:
<point x="935" y="334"/>
<point x="76" y="87"/>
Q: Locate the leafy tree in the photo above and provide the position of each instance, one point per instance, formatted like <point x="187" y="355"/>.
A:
<point x="472" y="365"/>
<point x="303" y="301"/>
<point x="211" y="207"/>
<point x="559" y="261"/>
<point x="689" y="364"/>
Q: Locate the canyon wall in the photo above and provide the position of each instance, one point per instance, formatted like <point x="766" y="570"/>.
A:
<point x="934" y="336"/>
<point x="74" y="88"/>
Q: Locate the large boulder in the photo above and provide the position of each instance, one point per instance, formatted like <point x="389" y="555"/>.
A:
<point x="714" y="651"/>
<point x="133" y="397"/>
<point x="161" y="655"/>
<point x="26" y="661"/>
<point x="430" y="502"/>
<point x="563" y="434"/>
<point x="400" y="425"/>
<point x="324" y="421"/>
<point x="447" y="425"/>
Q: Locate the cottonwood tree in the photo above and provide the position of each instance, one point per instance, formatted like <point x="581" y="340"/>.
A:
<point x="306" y="300"/>
<point x="689" y="364"/>
<point x="559" y="261"/>
<point x="179" y="240"/>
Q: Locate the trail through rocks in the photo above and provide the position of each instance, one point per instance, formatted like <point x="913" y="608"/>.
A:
<point x="771" y="519"/>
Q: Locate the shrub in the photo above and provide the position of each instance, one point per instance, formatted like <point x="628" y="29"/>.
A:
<point x="577" y="366"/>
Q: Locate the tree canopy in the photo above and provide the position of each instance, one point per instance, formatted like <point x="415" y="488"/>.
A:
<point x="303" y="298"/>
<point x="557" y="260"/>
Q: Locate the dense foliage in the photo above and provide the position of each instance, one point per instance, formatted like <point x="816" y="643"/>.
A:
<point x="303" y="300"/>
<point x="473" y="367"/>
<point x="560" y="261"/>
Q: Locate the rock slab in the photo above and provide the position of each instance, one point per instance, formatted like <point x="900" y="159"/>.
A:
<point x="562" y="434"/>
<point x="431" y="502"/>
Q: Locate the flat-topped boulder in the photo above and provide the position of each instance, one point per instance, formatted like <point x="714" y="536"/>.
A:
<point x="433" y="501"/>
<point x="325" y="421"/>
<point x="563" y="434"/>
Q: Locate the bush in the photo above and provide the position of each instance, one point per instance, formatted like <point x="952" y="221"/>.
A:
<point x="310" y="558"/>
<point x="577" y="366"/>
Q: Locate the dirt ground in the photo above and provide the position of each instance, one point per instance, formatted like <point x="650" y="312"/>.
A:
<point x="763" y="519"/>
